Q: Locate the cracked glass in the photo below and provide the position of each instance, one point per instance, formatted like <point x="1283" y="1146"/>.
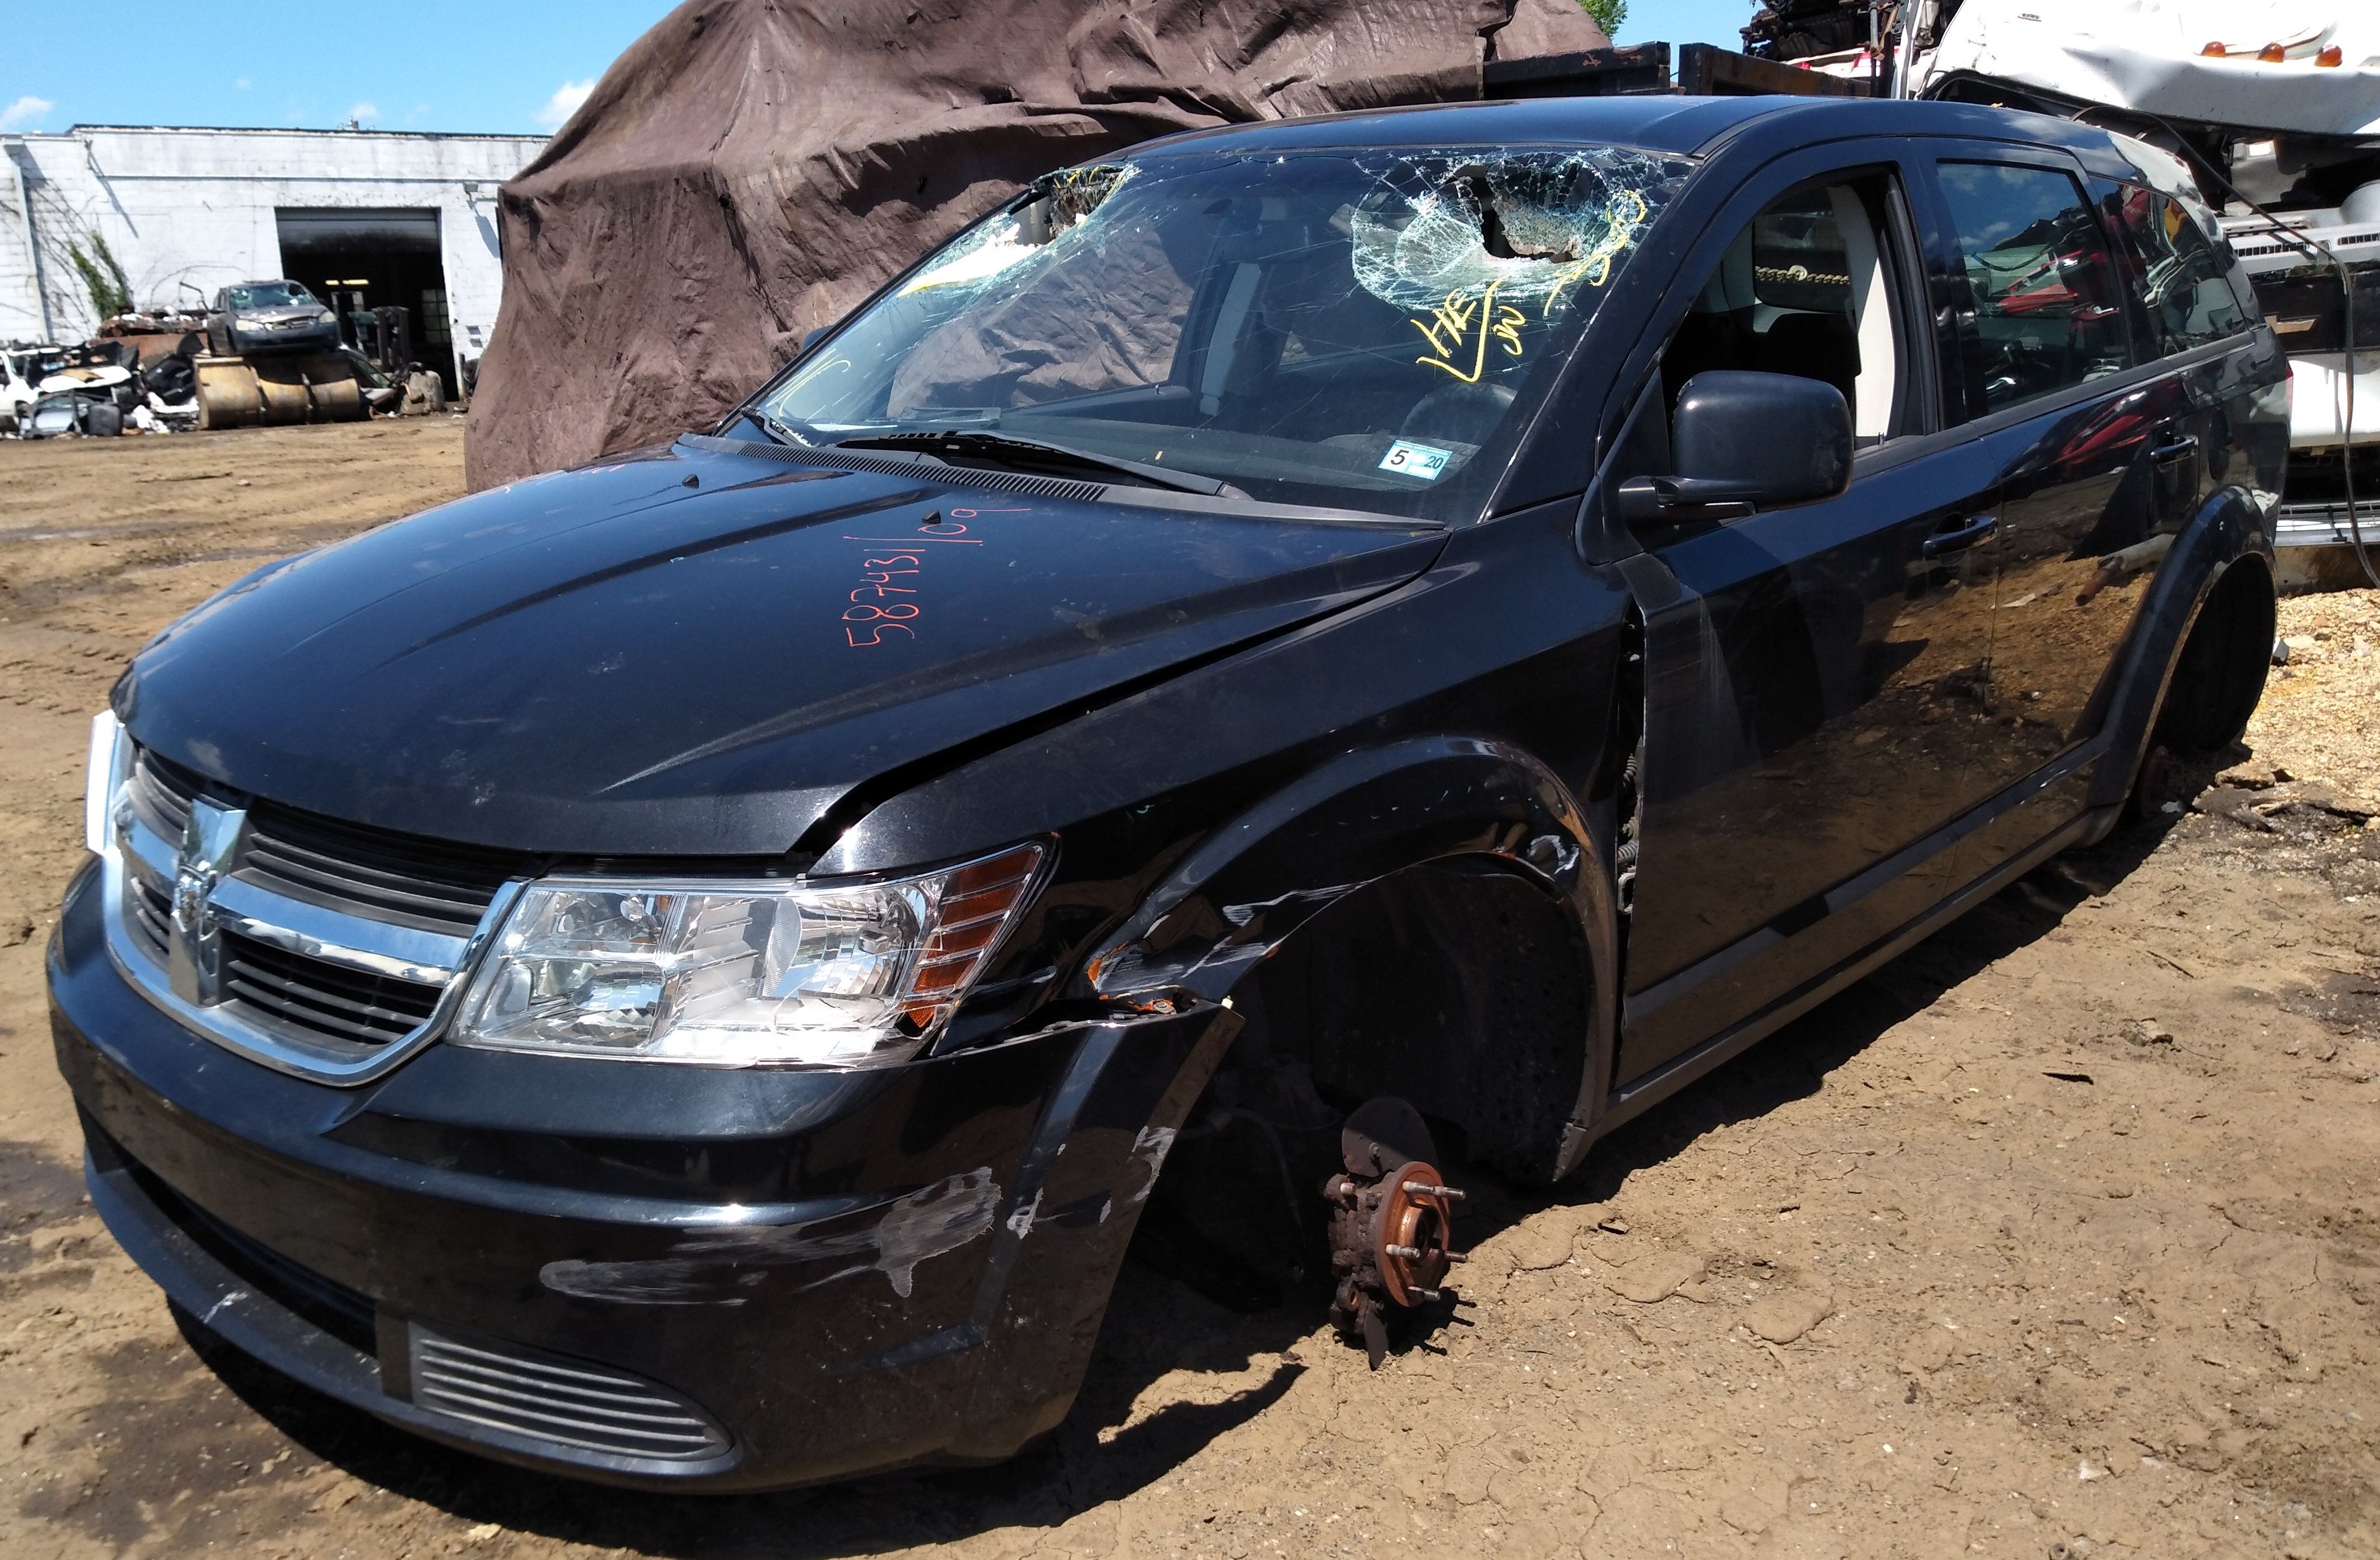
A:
<point x="1349" y="328"/>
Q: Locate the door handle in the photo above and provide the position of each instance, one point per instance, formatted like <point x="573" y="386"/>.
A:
<point x="2165" y="455"/>
<point x="1974" y="528"/>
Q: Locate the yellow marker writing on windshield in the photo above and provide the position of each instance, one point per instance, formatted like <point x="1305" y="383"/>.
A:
<point x="1459" y="321"/>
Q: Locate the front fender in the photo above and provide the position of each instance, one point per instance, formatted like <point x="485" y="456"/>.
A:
<point x="1364" y="815"/>
<point x="1201" y="821"/>
<point x="1354" y="821"/>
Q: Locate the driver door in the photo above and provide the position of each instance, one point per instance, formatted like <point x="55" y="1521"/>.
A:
<point x="1815" y="676"/>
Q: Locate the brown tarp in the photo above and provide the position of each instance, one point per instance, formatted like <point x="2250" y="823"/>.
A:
<point x="750" y="169"/>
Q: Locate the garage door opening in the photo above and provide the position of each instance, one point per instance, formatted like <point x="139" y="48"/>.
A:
<point x="361" y="259"/>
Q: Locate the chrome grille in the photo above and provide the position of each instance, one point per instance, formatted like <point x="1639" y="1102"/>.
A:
<point x="161" y="795"/>
<point x="313" y="946"/>
<point x="320" y="999"/>
<point x="388" y="877"/>
<point x="153" y="910"/>
<point x="563" y="1403"/>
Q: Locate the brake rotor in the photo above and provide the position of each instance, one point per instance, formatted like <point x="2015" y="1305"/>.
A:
<point x="1392" y="1222"/>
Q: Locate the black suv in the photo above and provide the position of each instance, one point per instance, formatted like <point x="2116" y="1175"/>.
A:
<point x="689" y="971"/>
<point x="252" y="318"/>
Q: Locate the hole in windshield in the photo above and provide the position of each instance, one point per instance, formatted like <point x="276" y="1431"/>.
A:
<point x="280" y="295"/>
<point x="1347" y="329"/>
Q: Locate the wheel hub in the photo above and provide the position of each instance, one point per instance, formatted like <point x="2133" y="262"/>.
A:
<point x="1392" y="1222"/>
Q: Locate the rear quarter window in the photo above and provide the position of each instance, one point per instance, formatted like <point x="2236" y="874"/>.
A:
<point x="2180" y="281"/>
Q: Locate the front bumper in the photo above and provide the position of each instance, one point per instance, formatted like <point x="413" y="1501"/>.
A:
<point x="828" y="1275"/>
<point x="323" y="337"/>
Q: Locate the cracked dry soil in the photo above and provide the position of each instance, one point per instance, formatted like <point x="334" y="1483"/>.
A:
<point x="2059" y="1237"/>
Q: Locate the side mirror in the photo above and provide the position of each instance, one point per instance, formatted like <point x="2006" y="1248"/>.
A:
<point x="810" y="339"/>
<point x="1745" y="441"/>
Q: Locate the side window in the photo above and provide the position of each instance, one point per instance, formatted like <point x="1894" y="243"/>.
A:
<point x="1806" y="290"/>
<point x="2180" y="281"/>
<point x="2048" y="311"/>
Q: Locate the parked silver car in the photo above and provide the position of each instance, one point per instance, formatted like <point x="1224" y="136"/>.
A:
<point x="276" y="316"/>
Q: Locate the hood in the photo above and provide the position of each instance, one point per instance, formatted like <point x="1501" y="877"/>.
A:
<point x="611" y="661"/>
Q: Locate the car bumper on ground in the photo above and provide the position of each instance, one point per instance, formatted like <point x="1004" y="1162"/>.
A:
<point x="647" y="1275"/>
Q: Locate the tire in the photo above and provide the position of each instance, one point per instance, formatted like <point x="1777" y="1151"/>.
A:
<point x="2219" y="676"/>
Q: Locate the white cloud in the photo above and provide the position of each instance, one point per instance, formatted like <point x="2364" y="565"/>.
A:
<point x="30" y="110"/>
<point x="563" y="103"/>
<point x="243" y="83"/>
<point x="364" y="113"/>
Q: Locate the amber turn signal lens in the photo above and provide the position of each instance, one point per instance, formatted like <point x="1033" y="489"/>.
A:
<point x="975" y="905"/>
<point x="2272" y="54"/>
<point x="2331" y="55"/>
<point x="2215" y="50"/>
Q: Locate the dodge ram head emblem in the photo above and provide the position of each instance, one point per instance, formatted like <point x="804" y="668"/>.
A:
<point x="194" y="957"/>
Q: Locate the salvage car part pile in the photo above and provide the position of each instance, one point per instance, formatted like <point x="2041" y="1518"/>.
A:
<point x="746" y="173"/>
<point x="101" y="388"/>
<point x="165" y="372"/>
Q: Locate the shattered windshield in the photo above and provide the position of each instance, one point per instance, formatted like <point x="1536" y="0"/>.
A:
<point x="269" y="295"/>
<point x="1335" y="328"/>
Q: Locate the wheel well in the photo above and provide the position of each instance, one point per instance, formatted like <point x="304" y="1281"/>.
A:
<point x="2219" y="675"/>
<point x="1461" y="986"/>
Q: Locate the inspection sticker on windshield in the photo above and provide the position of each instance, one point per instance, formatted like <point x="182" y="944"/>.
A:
<point x="1409" y="459"/>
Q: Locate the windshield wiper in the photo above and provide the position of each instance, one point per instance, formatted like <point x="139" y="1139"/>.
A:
<point x="1006" y="449"/>
<point x="780" y="432"/>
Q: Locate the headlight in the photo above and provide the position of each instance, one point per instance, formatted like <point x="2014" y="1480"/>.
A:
<point x="742" y="973"/>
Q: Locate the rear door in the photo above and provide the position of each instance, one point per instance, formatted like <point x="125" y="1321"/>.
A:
<point x="1815" y="676"/>
<point x="2095" y="441"/>
<point x="2190" y="310"/>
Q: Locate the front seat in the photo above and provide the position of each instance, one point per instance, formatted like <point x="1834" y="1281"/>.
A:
<point x="1819" y="347"/>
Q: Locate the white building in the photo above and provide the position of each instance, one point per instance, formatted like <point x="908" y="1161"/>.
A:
<point x="400" y="219"/>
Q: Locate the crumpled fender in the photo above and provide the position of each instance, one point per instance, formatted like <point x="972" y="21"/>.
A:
<point x="1252" y="882"/>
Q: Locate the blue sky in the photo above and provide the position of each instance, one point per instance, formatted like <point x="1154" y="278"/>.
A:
<point x="426" y="65"/>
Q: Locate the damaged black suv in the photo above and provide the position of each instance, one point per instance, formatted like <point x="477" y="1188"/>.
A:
<point x="689" y="971"/>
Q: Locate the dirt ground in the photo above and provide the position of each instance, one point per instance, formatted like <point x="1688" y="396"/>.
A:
<point x="2059" y="1236"/>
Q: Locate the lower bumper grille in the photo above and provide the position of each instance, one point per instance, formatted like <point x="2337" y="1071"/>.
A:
<point x="471" y="1388"/>
<point x="333" y="1307"/>
<point x="564" y="1403"/>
